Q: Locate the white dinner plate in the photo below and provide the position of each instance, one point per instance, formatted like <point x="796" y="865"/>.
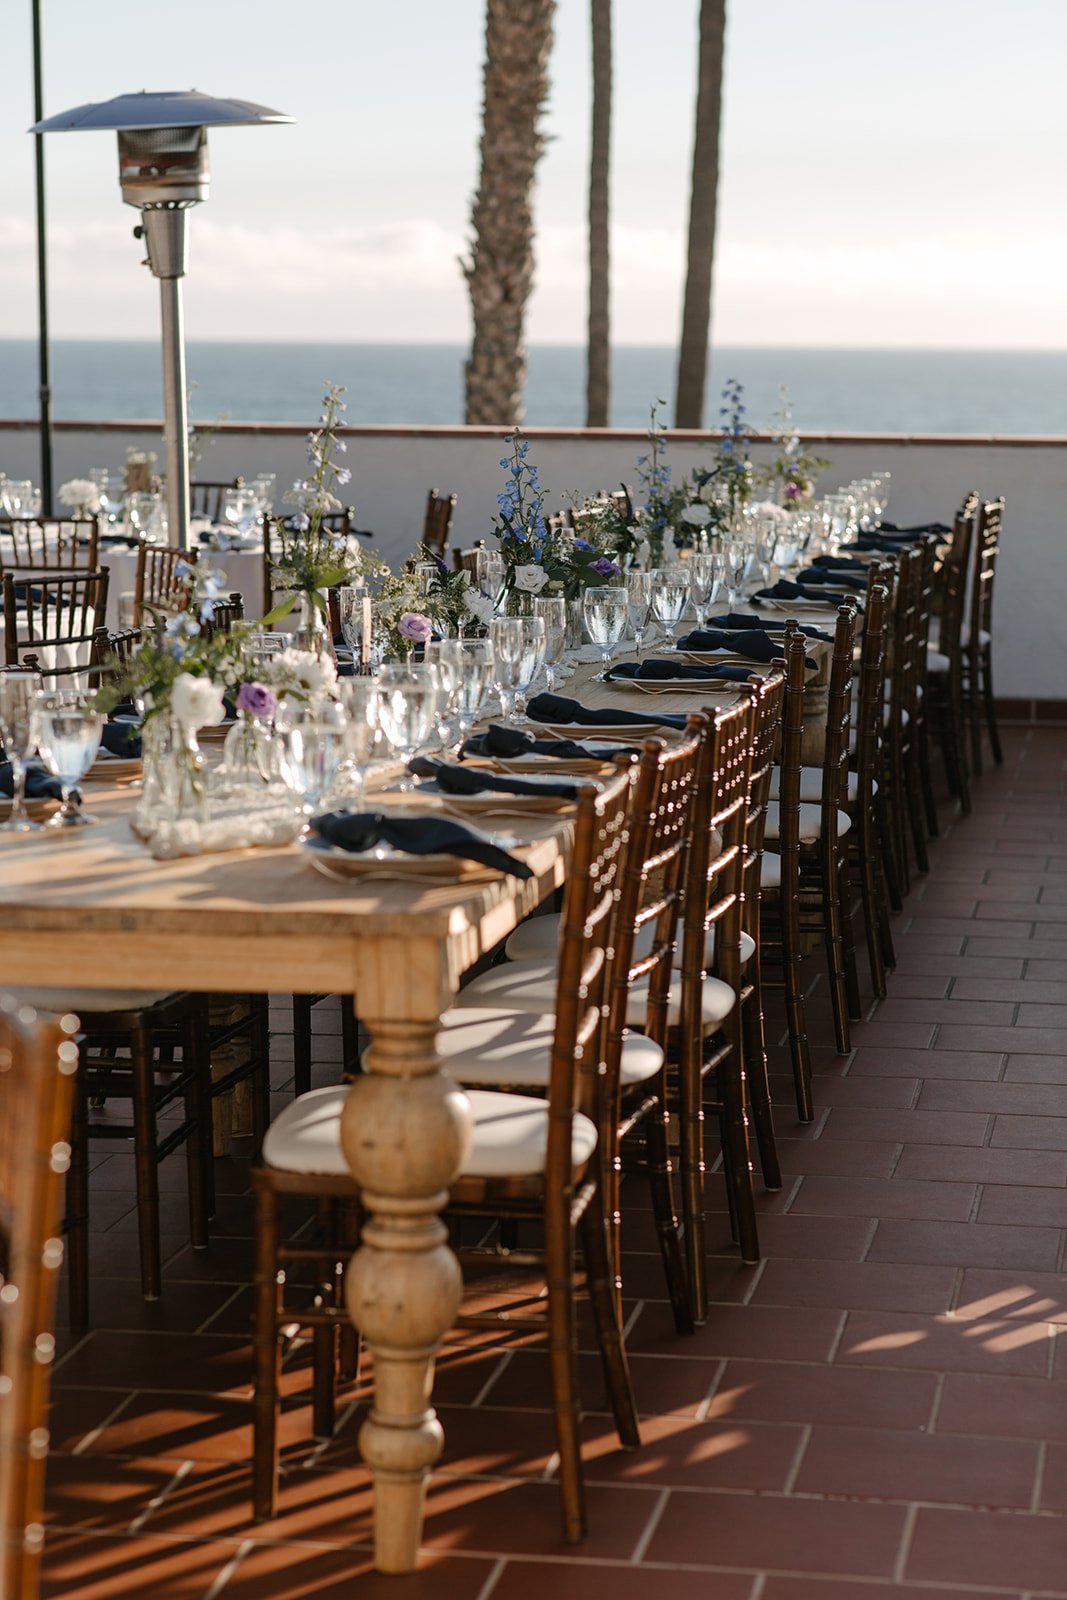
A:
<point x="382" y="861"/>
<point x="600" y="730"/>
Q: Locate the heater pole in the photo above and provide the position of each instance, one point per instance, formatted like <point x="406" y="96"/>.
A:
<point x="175" y="411"/>
<point x="44" y="359"/>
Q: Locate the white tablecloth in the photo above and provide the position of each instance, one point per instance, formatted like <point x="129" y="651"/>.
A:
<point x="243" y="569"/>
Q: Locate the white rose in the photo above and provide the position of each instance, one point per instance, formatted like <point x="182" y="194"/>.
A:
<point x="195" y="702"/>
<point x="478" y="605"/>
<point x="697" y="516"/>
<point x="707" y="492"/>
<point x="531" y="579"/>
<point x="312" y="675"/>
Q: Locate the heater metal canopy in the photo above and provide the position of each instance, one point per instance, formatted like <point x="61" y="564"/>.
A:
<point x="172" y="108"/>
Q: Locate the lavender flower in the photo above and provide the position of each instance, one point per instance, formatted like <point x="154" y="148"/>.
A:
<point x="257" y="699"/>
<point x="414" y="626"/>
<point x="605" y="567"/>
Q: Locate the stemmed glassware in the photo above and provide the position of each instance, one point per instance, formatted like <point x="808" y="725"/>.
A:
<point x="312" y="750"/>
<point x="359" y="701"/>
<point x="670" y="596"/>
<point x="476" y="680"/>
<point x="18" y="701"/>
<point x="552" y="610"/>
<point x="606" y="611"/>
<point x="407" y="710"/>
<point x="533" y="659"/>
<point x="491" y="576"/>
<point x="353" y="615"/>
<point x="705" y="576"/>
<point x="68" y="737"/>
<point x="447" y="660"/>
<point x="735" y="560"/>
<point x="639" y="605"/>
<point x="506" y="635"/>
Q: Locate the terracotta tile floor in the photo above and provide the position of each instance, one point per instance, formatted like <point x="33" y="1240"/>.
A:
<point x="878" y="1409"/>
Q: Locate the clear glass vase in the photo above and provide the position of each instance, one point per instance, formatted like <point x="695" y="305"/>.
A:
<point x="312" y="632"/>
<point x="173" y="787"/>
<point x="248" y="755"/>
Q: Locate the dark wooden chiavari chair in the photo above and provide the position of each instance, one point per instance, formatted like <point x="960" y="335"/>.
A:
<point x="556" y="1181"/>
<point x="156" y="582"/>
<point x="50" y="544"/>
<point x="945" y="669"/>
<point x="205" y="498"/>
<point x="38" y="1063"/>
<point x="437" y="523"/>
<point x="977" y="638"/>
<point x="868" y="846"/>
<point x="226" y="615"/>
<point x="53" y="617"/>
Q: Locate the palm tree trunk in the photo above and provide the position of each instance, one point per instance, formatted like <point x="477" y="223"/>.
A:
<point x="696" y="314"/>
<point x="598" y="350"/>
<point x="499" y="273"/>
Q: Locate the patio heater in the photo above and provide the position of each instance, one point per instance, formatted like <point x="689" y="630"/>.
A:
<point x="163" y="170"/>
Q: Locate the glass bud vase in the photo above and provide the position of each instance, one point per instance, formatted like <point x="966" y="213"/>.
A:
<point x="248" y="753"/>
<point x="312" y="632"/>
<point x="173" y="787"/>
<point x="187" y="786"/>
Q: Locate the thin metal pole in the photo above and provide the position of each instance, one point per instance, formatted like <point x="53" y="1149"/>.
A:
<point x="44" y="360"/>
<point x="175" y="411"/>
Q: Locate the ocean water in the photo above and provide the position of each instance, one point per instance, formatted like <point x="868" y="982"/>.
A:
<point x="859" y="391"/>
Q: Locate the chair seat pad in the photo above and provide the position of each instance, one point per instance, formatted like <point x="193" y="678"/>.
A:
<point x="531" y="986"/>
<point x="514" y="1048"/>
<point x="91" y="1001"/>
<point x="936" y="660"/>
<point x="538" y="940"/>
<point x="510" y="1138"/>
<point x="811" y="785"/>
<point x="810" y="822"/>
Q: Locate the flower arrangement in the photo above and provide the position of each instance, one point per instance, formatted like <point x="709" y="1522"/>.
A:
<point x="402" y="617"/>
<point x="82" y="495"/>
<point x="790" y="477"/>
<point x="661" y="507"/>
<point x="141" y="474"/>
<point x="520" y="524"/>
<point x="723" y="489"/>
<point x="314" y="557"/>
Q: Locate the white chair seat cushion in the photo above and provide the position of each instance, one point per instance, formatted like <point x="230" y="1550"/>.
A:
<point x="770" y="871"/>
<point x="531" y="986"/>
<point x="538" y="940"/>
<point x="510" y="1137"/>
<point x="936" y="661"/>
<point x="514" y="1048"/>
<point x="86" y="1001"/>
<point x="811" y="785"/>
<point x="810" y="822"/>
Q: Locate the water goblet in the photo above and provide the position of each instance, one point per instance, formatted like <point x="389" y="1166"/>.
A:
<point x="18" y="735"/>
<point x="476" y="679"/>
<point x="492" y="579"/>
<point x="552" y="610"/>
<point x="426" y="574"/>
<point x="605" y="611"/>
<point x="359" y="702"/>
<point x="408" y="700"/>
<point x="639" y="605"/>
<point x="735" y="560"/>
<point x="533" y="659"/>
<point x="702" y="582"/>
<point x="670" y="596"/>
<point x="312" y="750"/>
<point x="445" y="656"/>
<point x="355" y="617"/>
<point x="506" y="636"/>
<point x="68" y="737"/>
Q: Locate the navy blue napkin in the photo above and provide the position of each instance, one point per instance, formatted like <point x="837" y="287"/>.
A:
<point x="751" y="643"/>
<point x="122" y="737"/>
<point x="556" y="708"/>
<point x="655" y="671"/>
<point x="739" y="621"/>
<point x="915" y="527"/>
<point x="499" y="743"/>
<point x="784" y="590"/>
<point x="40" y="783"/>
<point x="839" y="564"/>
<point x="416" y="836"/>
<point x="476" y="780"/>
<point x="839" y="579"/>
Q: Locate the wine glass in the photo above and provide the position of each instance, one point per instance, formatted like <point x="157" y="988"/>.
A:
<point x="553" y="613"/>
<point x="605" y="611"/>
<point x="639" y="604"/>
<point x="426" y="573"/>
<point x="18" y="735"/>
<point x="670" y="596"/>
<point x="703" y="582"/>
<point x="407" y="709"/>
<point x="447" y="659"/>
<point x="68" y="737"/>
<point x="359" y="701"/>
<point x="492" y="578"/>
<point x="354" y="616"/>
<point x="506" y="636"/>
<point x="735" y="560"/>
<point x="533" y="659"/>
<point x="476" y="680"/>
<point x="312" y="750"/>
<point x="139" y="509"/>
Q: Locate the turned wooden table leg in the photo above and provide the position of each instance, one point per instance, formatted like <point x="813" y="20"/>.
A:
<point x="405" y="1132"/>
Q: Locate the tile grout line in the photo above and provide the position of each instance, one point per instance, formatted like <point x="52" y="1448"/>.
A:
<point x="206" y="1324"/>
<point x="704" y="1408"/>
<point x="497" y="1372"/>
<point x="491" y="1581"/>
<point x="94" y="1433"/>
<point x="935" y="1404"/>
<point x="835" y="1342"/>
<point x="221" y="1579"/>
<point x="761" y="1267"/>
<point x="799" y="1453"/>
<point x="911" y="1516"/>
<point x="1039" y="1476"/>
<point x="157" y="1500"/>
<point x="646" y="1536"/>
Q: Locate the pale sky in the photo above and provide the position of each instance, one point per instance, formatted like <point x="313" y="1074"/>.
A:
<point x="864" y="143"/>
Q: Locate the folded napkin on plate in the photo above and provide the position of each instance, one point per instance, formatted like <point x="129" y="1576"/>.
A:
<point x="839" y="578"/>
<point x="416" y="836"/>
<point x="659" y="671"/>
<point x="915" y="527"/>
<point x="40" y="784"/>
<point x="498" y="743"/>
<point x="476" y="780"/>
<point x="739" y="621"/>
<point x="122" y="737"/>
<point x="784" y="590"/>
<point x="752" y="643"/>
<point x="556" y="708"/>
<point x="839" y="564"/>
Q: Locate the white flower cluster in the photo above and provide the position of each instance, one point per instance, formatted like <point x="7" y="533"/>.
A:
<point x="195" y="702"/>
<point x="81" y="494"/>
<point x="302" y="675"/>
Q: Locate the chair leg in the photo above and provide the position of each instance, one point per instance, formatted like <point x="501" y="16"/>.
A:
<point x="77" y="1236"/>
<point x="663" y="1209"/>
<point x="596" y="1246"/>
<point x="144" y="1158"/>
<point x="737" y="1169"/>
<point x="833" y="941"/>
<point x="324" y="1341"/>
<point x="199" y="1147"/>
<point x="796" y="1011"/>
<point x="974" y="714"/>
<point x="269" y="1288"/>
<point x="990" y="707"/>
<point x="871" y="911"/>
<point x="915" y="810"/>
<point x="563" y="1355"/>
<point x="750" y="1050"/>
<point x="259" y="1044"/>
<point x="301" y="1043"/>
